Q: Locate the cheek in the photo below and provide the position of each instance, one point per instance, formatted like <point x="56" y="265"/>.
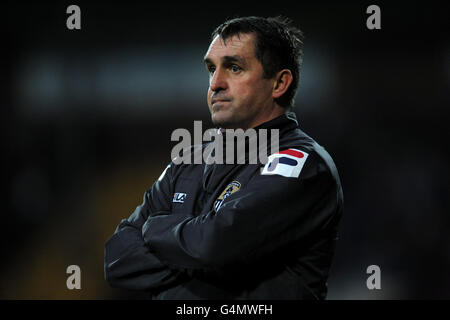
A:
<point x="244" y="90"/>
<point x="251" y="91"/>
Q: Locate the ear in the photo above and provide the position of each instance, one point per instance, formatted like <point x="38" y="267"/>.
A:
<point x="282" y="81"/>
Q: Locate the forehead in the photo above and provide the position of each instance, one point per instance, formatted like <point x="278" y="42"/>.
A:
<point x="236" y="45"/>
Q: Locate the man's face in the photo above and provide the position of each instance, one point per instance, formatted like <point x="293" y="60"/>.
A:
<point x="238" y="95"/>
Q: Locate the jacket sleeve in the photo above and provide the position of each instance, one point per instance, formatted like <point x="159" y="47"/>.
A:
<point x="268" y="214"/>
<point x="129" y="263"/>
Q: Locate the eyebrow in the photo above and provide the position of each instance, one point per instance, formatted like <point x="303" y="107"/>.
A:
<point x="227" y="59"/>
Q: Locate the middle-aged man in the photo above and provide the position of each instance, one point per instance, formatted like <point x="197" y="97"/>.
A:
<point x="239" y="231"/>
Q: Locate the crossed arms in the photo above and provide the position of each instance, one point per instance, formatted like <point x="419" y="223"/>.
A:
<point x="155" y="248"/>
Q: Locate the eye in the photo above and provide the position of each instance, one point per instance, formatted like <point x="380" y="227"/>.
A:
<point x="211" y="69"/>
<point x="235" y="68"/>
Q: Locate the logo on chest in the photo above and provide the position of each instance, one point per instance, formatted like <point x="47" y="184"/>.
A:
<point x="179" y="197"/>
<point x="228" y="191"/>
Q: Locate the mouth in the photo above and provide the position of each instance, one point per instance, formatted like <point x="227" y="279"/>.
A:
<point x="214" y="101"/>
<point x="218" y="103"/>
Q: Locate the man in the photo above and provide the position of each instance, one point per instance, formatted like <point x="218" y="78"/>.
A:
<point x="241" y="231"/>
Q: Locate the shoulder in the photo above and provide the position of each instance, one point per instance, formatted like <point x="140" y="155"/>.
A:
<point x="299" y="146"/>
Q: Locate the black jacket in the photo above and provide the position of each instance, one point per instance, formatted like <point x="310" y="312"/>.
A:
<point x="230" y="232"/>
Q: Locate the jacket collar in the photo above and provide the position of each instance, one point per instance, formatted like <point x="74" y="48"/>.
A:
<point x="214" y="173"/>
<point x="286" y="121"/>
<point x="283" y="123"/>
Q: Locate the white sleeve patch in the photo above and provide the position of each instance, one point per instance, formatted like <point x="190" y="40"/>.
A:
<point x="287" y="163"/>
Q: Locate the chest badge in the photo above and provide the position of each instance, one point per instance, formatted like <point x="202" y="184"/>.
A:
<point x="228" y="191"/>
<point x="179" y="197"/>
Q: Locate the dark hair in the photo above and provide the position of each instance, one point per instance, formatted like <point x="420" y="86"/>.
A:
<point x="278" y="46"/>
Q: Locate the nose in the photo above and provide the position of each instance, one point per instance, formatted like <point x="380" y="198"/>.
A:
<point x="218" y="81"/>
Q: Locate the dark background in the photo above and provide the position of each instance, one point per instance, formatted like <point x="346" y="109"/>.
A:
<point x="87" y="117"/>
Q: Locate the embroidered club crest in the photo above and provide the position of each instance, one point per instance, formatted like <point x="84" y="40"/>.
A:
<point x="229" y="190"/>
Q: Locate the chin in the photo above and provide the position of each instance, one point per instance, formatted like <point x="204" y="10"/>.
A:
<point x="220" y="120"/>
<point x="225" y="120"/>
<point x="220" y="123"/>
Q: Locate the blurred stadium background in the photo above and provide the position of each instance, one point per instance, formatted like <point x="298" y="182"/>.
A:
<point x="87" y="117"/>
